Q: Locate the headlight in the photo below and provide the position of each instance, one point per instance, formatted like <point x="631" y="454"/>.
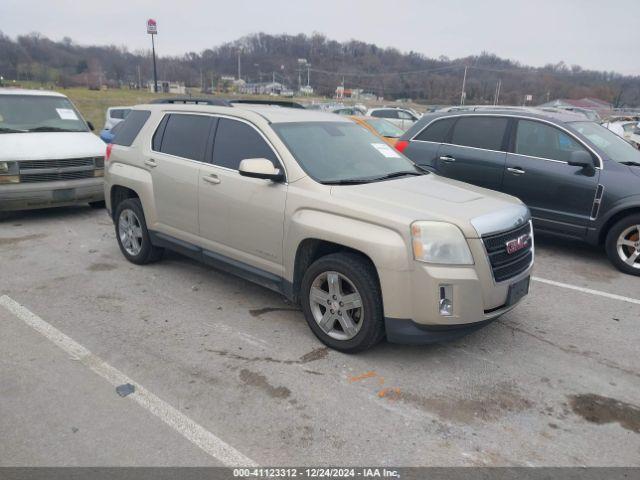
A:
<point x="439" y="242"/>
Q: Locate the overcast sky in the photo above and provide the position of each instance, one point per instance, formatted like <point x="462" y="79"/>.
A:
<point x="596" y="34"/>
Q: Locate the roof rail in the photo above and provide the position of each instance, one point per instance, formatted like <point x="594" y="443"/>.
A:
<point x="279" y="103"/>
<point x="194" y="101"/>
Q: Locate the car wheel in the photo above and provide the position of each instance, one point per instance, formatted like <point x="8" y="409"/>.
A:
<point x="97" y="205"/>
<point x="132" y="234"/>
<point x="342" y="302"/>
<point x="623" y="245"/>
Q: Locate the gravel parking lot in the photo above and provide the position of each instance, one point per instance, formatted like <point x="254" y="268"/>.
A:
<point x="226" y="370"/>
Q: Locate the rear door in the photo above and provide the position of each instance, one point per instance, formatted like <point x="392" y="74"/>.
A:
<point x="475" y="151"/>
<point x="424" y="147"/>
<point x="178" y="149"/>
<point x="241" y="217"/>
<point x="559" y="195"/>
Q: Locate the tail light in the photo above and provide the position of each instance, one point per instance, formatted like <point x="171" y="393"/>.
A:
<point x="401" y="145"/>
<point x="108" y="152"/>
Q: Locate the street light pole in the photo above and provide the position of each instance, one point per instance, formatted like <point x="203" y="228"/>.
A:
<point x="152" y="29"/>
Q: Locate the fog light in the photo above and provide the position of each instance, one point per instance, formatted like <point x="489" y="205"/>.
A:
<point x="446" y="300"/>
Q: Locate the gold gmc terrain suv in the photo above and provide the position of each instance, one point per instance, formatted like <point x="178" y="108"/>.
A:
<point x="315" y="207"/>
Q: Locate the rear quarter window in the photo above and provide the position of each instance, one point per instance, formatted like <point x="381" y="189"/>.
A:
<point x="130" y="127"/>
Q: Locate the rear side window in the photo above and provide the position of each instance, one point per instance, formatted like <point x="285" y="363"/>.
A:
<point x="480" y="132"/>
<point x="437" y="131"/>
<point x="186" y="136"/>
<point x="131" y="127"/>
<point x="236" y="141"/>
<point x="119" y="113"/>
<point x="536" y="139"/>
<point x="385" y="114"/>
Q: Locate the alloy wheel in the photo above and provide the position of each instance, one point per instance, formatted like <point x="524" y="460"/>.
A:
<point x="628" y="246"/>
<point x="130" y="232"/>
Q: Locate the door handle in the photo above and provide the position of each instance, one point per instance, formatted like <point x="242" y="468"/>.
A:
<point x="213" y="178"/>
<point x="447" y="159"/>
<point x="150" y="163"/>
<point x="515" y="170"/>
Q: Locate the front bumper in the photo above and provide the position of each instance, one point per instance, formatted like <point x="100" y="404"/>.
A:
<point x="25" y="196"/>
<point x="408" y="332"/>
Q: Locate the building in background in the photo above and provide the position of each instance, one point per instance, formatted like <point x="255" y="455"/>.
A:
<point x="177" y="88"/>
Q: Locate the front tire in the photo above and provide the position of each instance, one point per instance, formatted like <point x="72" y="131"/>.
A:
<point x="623" y="245"/>
<point x="342" y="302"/>
<point x="132" y="234"/>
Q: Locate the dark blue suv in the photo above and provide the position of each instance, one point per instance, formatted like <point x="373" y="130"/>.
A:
<point x="579" y="179"/>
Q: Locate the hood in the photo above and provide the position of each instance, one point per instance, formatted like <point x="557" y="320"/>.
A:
<point x="49" y="145"/>
<point x="476" y="211"/>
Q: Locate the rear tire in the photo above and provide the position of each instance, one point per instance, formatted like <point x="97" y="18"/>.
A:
<point x="132" y="234"/>
<point x="623" y="245"/>
<point x="342" y="302"/>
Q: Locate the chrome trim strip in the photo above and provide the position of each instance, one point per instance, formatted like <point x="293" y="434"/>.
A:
<point x="523" y="117"/>
<point x="501" y="221"/>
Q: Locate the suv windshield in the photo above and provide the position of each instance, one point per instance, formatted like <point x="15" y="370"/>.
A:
<point x="38" y="113"/>
<point x="615" y="147"/>
<point x="384" y="128"/>
<point x="336" y="152"/>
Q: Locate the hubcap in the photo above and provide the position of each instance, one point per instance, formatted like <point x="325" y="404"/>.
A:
<point x="130" y="232"/>
<point x="336" y="305"/>
<point x="629" y="246"/>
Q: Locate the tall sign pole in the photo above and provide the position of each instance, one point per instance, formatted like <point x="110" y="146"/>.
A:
<point x="152" y="29"/>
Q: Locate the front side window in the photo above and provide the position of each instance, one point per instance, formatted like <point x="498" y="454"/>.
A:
<point x="437" y="131"/>
<point x="486" y="133"/>
<point x="537" y="139"/>
<point x="334" y="152"/>
<point x="406" y="115"/>
<point x="39" y="113"/>
<point x="186" y="136"/>
<point x="236" y="141"/>
<point x="616" y="148"/>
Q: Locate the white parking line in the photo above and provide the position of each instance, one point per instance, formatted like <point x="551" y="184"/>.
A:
<point x="189" y="429"/>
<point x="587" y="290"/>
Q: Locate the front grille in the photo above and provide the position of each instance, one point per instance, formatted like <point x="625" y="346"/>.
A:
<point x="57" y="163"/>
<point x="32" y="171"/>
<point x="503" y="264"/>
<point x="52" y="177"/>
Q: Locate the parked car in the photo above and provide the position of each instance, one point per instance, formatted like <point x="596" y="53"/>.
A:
<point x="349" y="111"/>
<point x="401" y="117"/>
<point x="48" y="155"/>
<point x="627" y="129"/>
<point x="580" y="180"/>
<point x="115" y="115"/>
<point x="387" y="131"/>
<point x="107" y="135"/>
<point x="317" y="208"/>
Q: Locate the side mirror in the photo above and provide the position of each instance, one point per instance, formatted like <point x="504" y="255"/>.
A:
<point x="584" y="160"/>
<point x="90" y="125"/>
<point x="260" y="168"/>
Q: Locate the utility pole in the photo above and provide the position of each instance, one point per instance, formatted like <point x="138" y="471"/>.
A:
<point x="308" y="74"/>
<point x="496" y="97"/>
<point x="152" y="29"/>
<point x="239" y="64"/>
<point x="463" y="95"/>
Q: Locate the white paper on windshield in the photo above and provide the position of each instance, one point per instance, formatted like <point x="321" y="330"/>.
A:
<point x="385" y="150"/>
<point x="66" y="114"/>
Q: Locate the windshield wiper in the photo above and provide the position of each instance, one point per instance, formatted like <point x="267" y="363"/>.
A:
<point x="397" y="174"/>
<point x="631" y="163"/>
<point x="347" y="181"/>
<point x="51" y="129"/>
<point x="10" y="130"/>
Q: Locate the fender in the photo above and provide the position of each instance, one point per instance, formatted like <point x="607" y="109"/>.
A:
<point x="596" y="235"/>
<point x="139" y="180"/>
<point x="384" y="246"/>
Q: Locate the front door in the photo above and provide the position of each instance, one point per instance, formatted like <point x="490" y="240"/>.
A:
<point x="560" y="196"/>
<point x="241" y="217"/>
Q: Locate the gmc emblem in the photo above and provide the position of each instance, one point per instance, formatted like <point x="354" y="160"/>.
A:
<point x="517" y="244"/>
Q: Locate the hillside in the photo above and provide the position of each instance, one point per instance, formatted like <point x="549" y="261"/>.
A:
<point x="386" y="72"/>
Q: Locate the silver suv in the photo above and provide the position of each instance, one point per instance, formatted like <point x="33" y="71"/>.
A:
<point x="315" y="207"/>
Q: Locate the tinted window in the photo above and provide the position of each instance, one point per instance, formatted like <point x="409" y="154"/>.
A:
<point x="538" y="139"/>
<point x="119" y="113"/>
<point x="385" y="114"/>
<point x="437" y="131"/>
<point x="186" y="136"/>
<point x="480" y="132"/>
<point x="156" y="143"/>
<point x="237" y="141"/>
<point x="131" y="126"/>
